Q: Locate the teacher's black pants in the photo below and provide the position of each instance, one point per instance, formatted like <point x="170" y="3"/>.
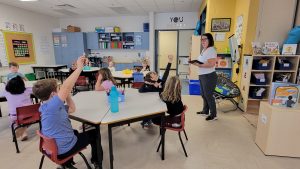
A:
<point x="208" y="84"/>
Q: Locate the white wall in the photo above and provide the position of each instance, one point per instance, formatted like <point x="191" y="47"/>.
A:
<point x="133" y="24"/>
<point x="275" y="20"/>
<point x="39" y="25"/>
<point x="163" y="20"/>
<point x="126" y="23"/>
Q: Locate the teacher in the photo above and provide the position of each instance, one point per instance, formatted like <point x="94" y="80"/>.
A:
<point x="208" y="76"/>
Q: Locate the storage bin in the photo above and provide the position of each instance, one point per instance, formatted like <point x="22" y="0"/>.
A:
<point x="109" y="29"/>
<point x="30" y="76"/>
<point x="73" y="29"/>
<point x="286" y="65"/>
<point x="258" y="81"/>
<point x="253" y="93"/>
<point x="117" y="29"/>
<point x="194" y="87"/>
<point x="261" y="66"/>
<point x="99" y="29"/>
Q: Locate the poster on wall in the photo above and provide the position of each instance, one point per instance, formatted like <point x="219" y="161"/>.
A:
<point x="19" y="47"/>
<point x="3" y="58"/>
<point x="239" y="29"/>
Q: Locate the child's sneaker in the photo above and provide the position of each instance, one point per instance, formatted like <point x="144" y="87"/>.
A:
<point x="211" y="118"/>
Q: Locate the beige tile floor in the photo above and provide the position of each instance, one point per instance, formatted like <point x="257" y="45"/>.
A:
<point x="224" y="144"/>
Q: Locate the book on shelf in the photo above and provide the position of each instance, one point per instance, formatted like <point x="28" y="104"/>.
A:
<point x="289" y="49"/>
<point x="223" y="62"/>
<point x="257" y="48"/>
<point x="284" y="94"/>
<point x="271" y="48"/>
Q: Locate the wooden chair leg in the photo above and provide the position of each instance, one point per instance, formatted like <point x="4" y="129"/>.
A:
<point x="84" y="159"/>
<point x="182" y="144"/>
<point x="42" y="161"/>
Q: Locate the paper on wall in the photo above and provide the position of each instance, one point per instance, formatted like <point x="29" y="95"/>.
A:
<point x="3" y="57"/>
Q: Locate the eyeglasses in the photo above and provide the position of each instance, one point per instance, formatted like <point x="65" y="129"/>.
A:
<point x="203" y="39"/>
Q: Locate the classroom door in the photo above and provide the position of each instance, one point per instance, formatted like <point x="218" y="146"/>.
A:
<point x="167" y="42"/>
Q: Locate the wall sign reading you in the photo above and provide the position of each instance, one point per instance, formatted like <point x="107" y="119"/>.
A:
<point x="176" y="19"/>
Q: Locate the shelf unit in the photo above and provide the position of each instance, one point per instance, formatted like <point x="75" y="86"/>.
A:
<point x="251" y="105"/>
<point x="104" y="40"/>
<point x="225" y="70"/>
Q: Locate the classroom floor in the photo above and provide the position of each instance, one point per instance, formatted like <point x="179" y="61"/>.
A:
<point x="227" y="143"/>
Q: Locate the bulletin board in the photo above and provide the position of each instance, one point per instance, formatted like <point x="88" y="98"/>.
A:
<point x="19" y="47"/>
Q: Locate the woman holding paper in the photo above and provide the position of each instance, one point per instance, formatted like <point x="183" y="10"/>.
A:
<point x="207" y="76"/>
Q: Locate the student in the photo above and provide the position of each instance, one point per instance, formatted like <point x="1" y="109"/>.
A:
<point x="14" y="68"/>
<point x="105" y="80"/>
<point x="111" y="66"/>
<point x="153" y="83"/>
<point x="17" y="95"/>
<point x="55" y="121"/>
<point x="145" y="65"/>
<point x="171" y="95"/>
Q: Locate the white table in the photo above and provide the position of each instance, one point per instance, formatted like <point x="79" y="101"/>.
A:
<point x="137" y="106"/>
<point x="67" y="70"/>
<point x="119" y="75"/>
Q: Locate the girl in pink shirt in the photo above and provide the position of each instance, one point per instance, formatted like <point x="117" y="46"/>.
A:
<point x="105" y="80"/>
<point x="17" y="95"/>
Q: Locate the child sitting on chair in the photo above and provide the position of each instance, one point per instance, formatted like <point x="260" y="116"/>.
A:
<point x="111" y="66"/>
<point x="14" y="68"/>
<point x="154" y="84"/>
<point x="152" y="81"/>
<point x="55" y="117"/>
<point x="145" y="65"/>
<point x="105" y="80"/>
<point x="17" y="95"/>
<point x="171" y="95"/>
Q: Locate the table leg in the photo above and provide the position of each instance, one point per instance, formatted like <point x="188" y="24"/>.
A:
<point x="0" y="112"/>
<point x="111" y="156"/>
<point x="163" y="131"/>
<point x="98" y="145"/>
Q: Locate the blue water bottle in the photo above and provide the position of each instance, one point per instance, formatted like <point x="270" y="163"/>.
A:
<point x="113" y="98"/>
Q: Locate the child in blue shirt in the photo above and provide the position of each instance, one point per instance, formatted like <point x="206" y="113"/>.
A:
<point x="14" y="68"/>
<point x="55" y="121"/>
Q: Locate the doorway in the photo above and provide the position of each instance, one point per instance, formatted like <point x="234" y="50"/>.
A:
<point x="177" y="43"/>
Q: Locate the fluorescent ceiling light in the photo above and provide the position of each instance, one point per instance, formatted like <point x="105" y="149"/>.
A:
<point x="29" y="0"/>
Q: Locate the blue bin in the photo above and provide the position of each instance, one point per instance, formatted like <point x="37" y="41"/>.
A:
<point x="194" y="87"/>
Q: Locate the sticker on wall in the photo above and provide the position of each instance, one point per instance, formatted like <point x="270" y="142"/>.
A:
<point x="8" y="26"/>
<point x="264" y="119"/>
<point x="56" y="41"/>
<point x="21" y="28"/>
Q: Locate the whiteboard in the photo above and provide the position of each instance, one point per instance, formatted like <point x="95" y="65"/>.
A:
<point x="3" y="57"/>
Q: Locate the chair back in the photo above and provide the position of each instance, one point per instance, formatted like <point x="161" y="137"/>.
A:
<point x="182" y="121"/>
<point x="137" y="85"/>
<point x="28" y="114"/>
<point x="138" y="77"/>
<point x="81" y="81"/>
<point x="48" y="147"/>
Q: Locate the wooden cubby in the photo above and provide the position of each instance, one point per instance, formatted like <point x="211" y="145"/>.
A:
<point x="251" y="105"/>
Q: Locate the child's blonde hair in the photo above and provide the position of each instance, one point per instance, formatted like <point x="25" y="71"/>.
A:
<point x="172" y="90"/>
<point x="106" y="75"/>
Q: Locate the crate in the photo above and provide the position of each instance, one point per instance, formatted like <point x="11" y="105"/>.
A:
<point x="99" y="29"/>
<point x="194" y="87"/>
<point x="73" y="29"/>
<point x="287" y="65"/>
<point x="258" y="81"/>
<point x="260" y="66"/>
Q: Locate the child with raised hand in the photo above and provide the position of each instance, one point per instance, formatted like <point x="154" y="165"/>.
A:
<point x="171" y="95"/>
<point x="152" y="81"/>
<point x="154" y="84"/>
<point x="14" y="68"/>
<point x="55" y="121"/>
<point x="17" y="95"/>
<point x="105" y="80"/>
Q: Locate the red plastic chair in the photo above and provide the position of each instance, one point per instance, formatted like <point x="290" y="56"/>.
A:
<point x="26" y="115"/>
<point x="48" y="148"/>
<point x="168" y="126"/>
<point x="137" y="85"/>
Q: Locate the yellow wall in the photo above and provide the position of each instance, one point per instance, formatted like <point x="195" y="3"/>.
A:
<point x="220" y="9"/>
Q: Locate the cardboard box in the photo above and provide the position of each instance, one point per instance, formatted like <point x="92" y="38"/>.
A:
<point x="73" y="29"/>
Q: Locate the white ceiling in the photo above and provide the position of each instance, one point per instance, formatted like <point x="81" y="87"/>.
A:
<point x="93" y="8"/>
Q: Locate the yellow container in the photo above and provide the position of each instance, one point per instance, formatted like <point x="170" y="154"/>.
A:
<point x="117" y="29"/>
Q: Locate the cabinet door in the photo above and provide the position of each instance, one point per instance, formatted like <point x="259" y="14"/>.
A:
<point x="57" y="48"/>
<point x="92" y="40"/>
<point x="141" y="40"/>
